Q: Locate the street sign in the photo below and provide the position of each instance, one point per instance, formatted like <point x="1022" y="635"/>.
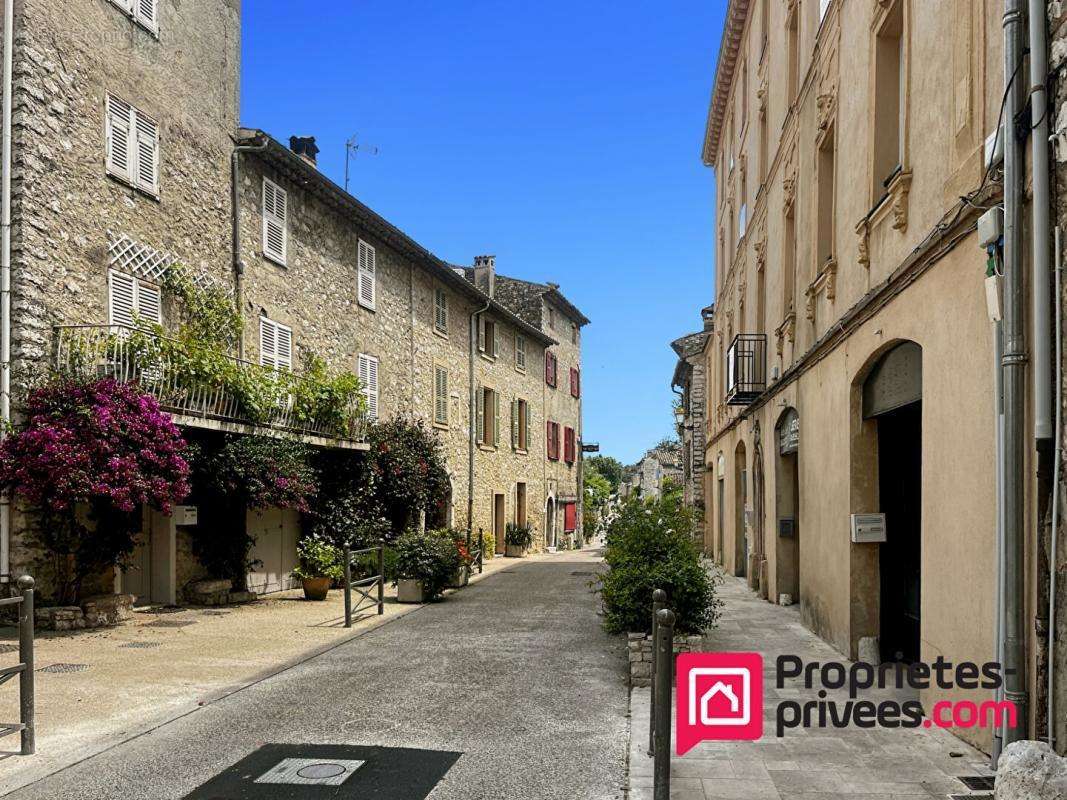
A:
<point x="590" y="448"/>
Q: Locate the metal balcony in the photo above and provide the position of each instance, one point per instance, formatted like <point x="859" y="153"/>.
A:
<point x="107" y="351"/>
<point x="746" y="368"/>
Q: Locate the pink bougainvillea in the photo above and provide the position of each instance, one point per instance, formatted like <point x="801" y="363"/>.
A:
<point x="99" y="442"/>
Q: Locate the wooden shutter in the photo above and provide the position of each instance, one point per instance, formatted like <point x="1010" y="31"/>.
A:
<point x="496" y="419"/>
<point x="492" y="339"/>
<point x="481" y="334"/>
<point x="145" y="12"/>
<point x="479" y="403"/>
<point x="524" y="425"/>
<point x="520" y="351"/>
<point x="515" y="424"/>
<point x="440" y="309"/>
<point x="284" y="346"/>
<point x="367" y="269"/>
<point x="268" y="343"/>
<point x="149" y="305"/>
<point x="120" y="159"/>
<point x="147" y="146"/>
<point x="570" y="517"/>
<point x="122" y="303"/>
<point x="275" y="215"/>
<point x="368" y="378"/>
<point x="440" y="395"/>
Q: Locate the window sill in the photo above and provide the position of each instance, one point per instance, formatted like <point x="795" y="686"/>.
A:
<point x="487" y="357"/>
<point x="140" y="190"/>
<point x="520" y="370"/>
<point x="522" y="451"/>
<point x="441" y="333"/>
<point x="486" y="448"/>
<point x="441" y="426"/>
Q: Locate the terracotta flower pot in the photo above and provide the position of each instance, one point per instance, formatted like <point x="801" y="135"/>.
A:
<point x="460" y="579"/>
<point x="409" y="590"/>
<point x="316" y="588"/>
<point x="514" y="551"/>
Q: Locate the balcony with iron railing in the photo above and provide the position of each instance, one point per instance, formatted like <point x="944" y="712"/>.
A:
<point x="202" y="398"/>
<point x="746" y="368"/>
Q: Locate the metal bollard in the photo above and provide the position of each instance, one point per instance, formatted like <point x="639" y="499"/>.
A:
<point x="661" y="768"/>
<point x="348" y="586"/>
<point x="659" y="600"/>
<point x="26" y="699"/>
<point x="381" y="577"/>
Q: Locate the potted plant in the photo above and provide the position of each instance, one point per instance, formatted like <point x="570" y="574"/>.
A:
<point x="320" y="565"/>
<point x="425" y="563"/>
<point x="517" y="540"/>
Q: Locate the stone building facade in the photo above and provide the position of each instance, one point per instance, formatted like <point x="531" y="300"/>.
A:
<point x="648" y="476"/>
<point x="691" y="384"/>
<point x="851" y="359"/>
<point x="126" y="152"/>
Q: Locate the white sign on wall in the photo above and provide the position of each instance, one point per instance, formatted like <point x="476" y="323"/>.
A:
<point x="185" y="515"/>
<point x="868" y="528"/>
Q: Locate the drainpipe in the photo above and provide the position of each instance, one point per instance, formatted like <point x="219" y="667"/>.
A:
<point x="473" y="413"/>
<point x="5" y="276"/>
<point x="235" y="219"/>
<point x="1013" y="364"/>
<point x="1040" y="210"/>
<point x="1054" y="543"/>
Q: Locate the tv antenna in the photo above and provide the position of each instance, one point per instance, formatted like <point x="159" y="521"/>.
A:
<point x="352" y="147"/>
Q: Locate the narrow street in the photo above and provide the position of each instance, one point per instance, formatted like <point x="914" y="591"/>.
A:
<point x="515" y="674"/>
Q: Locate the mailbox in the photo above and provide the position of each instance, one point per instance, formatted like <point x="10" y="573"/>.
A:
<point x="868" y="528"/>
<point x="185" y="515"/>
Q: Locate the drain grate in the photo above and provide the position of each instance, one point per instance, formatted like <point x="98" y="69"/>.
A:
<point x="976" y="782"/>
<point x="64" y="668"/>
<point x="141" y="645"/>
<point x="170" y="623"/>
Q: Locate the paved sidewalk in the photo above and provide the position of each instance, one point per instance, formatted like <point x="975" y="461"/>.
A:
<point x="160" y="666"/>
<point x="817" y="764"/>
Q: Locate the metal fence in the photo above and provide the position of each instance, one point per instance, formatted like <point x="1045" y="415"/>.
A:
<point x="156" y="362"/>
<point x="477" y="554"/>
<point x="364" y="587"/>
<point x="24" y="669"/>
<point x="660" y="717"/>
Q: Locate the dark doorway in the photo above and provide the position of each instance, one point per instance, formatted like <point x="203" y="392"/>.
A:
<point x="740" y="509"/>
<point x="787" y="498"/>
<point x="720" y="502"/>
<point x="900" y="566"/>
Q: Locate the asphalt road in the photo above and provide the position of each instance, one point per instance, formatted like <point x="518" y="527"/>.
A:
<point x="515" y="673"/>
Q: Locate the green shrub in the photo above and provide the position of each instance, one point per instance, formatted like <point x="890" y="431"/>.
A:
<point x="430" y="558"/>
<point x="319" y="559"/>
<point x="649" y="547"/>
<point x="518" y="535"/>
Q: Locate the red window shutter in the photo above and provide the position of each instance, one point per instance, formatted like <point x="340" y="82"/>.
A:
<point x="548" y="368"/>
<point x="568" y="445"/>
<point x="570" y="517"/>
<point x="576" y="383"/>
<point x="550" y="441"/>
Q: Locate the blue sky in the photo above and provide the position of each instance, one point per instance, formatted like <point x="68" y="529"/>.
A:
<point x="563" y="137"/>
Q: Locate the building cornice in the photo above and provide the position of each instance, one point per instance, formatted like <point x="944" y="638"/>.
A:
<point x="732" y="30"/>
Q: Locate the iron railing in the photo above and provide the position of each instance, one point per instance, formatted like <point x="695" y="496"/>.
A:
<point x="183" y="387"/>
<point x="24" y="669"/>
<point x="746" y="368"/>
<point x="364" y="587"/>
<point x="476" y="553"/>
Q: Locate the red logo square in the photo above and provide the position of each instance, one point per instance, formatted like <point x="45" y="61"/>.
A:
<point x="719" y="697"/>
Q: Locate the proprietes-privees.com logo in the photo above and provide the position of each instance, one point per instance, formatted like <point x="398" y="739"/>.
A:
<point x="720" y="696"/>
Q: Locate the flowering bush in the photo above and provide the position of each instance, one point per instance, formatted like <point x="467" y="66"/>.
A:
<point x="430" y="558"/>
<point x="409" y="470"/>
<point x="262" y="472"/>
<point x="347" y="509"/>
<point x="101" y="444"/>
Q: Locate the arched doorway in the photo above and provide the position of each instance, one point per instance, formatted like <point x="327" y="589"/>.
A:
<point x="787" y="508"/>
<point x="720" y="509"/>
<point x="550" y="523"/>
<point x="757" y="567"/>
<point x="740" y="509"/>
<point x="892" y="399"/>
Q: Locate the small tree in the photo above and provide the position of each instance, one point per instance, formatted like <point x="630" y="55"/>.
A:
<point x="409" y="470"/>
<point x="102" y="446"/>
<point x="347" y="508"/>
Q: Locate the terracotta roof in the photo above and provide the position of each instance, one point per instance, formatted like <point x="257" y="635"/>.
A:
<point x="736" y="14"/>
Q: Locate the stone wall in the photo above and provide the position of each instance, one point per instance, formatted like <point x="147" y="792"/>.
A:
<point x="641" y="652"/>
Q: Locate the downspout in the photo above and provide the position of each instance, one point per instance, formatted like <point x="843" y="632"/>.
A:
<point x="1042" y="360"/>
<point x="235" y="220"/>
<point x="1013" y="364"/>
<point x="473" y="422"/>
<point x="1054" y="542"/>
<point x="5" y="277"/>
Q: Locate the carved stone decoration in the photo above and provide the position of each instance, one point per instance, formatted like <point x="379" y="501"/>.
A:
<point x="761" y="99"/>
<point x="825" y="104"/>
<point x="779" y="340"/>
<point x="828" y="279"/>
<point x="809" y="303"/>
<point x="898" y="197"/>
<point x="787" y="330"/>
<point x="760" y="246"/>
<point x="863" y="251"/>
<point x="789" y="192"/>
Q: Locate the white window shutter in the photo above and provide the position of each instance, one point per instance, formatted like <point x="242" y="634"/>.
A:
<point x="496" y="419"/>
<point x="368" y="377"/>
<point x="149" y="303"/>
<point x="441" y="310"/>
<point x="147" y="148"/>
<point x="120" y="159"/>
<point x="145" y="11"/>
<point x="268" y="343"/>
<point x="284" y="346"/>
<point x="122" y="292"/>
<point x="275" y="215"/>
<point x="480" y="415"/>
<point x="481" y="334"/>
<point x="515" y="424"/>
<point x="440" y="395"/>
<point x="367" y="269"/>
<point x="493" y="343"/>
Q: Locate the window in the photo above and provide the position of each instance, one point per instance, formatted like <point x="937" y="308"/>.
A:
<point x="275" y="344"/>
<point x="551" y="366"/>
<point x="275" y="228"/>
<point x="520" y="352"/>
<point x="823" y="5"/>
<point x="764" y="147"/>
<point x="568" y="445"/>
<point x="368" y="268"/>
<point x="440" y="395"/>
<point x="143" y="12"/>
<point x="789" y="261"/>
<point x="132" y="142"/>
<point x="825" y="177"/>
<point x="520" y="503"/>
<point x="552" y="440"/>
<point x="488" y="412"/>
<point x="576" y="383"/>
<point x="744" y="99"/>
<point x="570" y="517"/>
<point x="520" y="421"/>
<point x="440" y="310"/>
<point x="742" y="222"/>
<point x="574" y="333"/>
<point x="551" y="318"/>
<point x="131" y="300"/>
<point x="765" y="27"/>
<point x="368" y="379"/>
<point x="793" y="52"/>
<point x="487" y="337"/>
<point x="889" y="101"/>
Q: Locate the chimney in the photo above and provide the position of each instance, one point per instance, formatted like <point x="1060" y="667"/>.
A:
<point x="304" y="146"/>
<point x="485" y="273"/>
<point x="708" y="315"/>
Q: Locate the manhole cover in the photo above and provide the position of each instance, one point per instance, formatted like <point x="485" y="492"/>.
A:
<point x="141" y="645"/>
<point x="353" y="772"/>
<point x="170" y="623"/>
<point x="64" y="668"/>
<point x="977" y="782"/>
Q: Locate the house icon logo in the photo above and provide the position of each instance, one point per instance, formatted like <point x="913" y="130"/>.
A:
<point x="719" y="697"/>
